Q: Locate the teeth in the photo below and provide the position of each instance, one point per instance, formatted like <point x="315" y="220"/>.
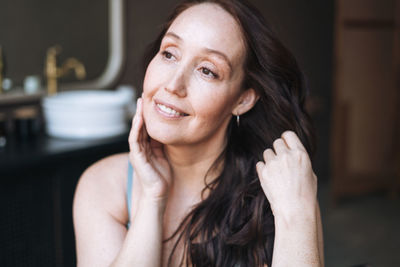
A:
<point x="168" y="110"/>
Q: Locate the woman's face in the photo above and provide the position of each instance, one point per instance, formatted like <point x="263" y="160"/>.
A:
<point x="192" y="85"/>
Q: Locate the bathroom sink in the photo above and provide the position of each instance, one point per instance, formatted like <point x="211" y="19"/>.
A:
<point x="88" y="114"/>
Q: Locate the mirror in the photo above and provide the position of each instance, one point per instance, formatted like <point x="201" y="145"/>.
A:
<point x="91" y="31"/>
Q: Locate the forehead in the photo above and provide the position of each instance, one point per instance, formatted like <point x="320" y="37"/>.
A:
<point x="208" y="25"/>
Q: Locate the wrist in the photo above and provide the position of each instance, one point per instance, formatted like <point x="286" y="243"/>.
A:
<point x="152" y="204"/>
<point x="296" y="214"/>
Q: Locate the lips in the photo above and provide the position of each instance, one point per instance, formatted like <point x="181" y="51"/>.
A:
<point x="169" y="110"/>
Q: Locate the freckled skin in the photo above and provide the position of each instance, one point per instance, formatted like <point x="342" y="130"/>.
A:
<point x="209" y="102"/>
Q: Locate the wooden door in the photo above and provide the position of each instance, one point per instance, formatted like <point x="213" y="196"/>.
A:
<point x="365" y="130"/>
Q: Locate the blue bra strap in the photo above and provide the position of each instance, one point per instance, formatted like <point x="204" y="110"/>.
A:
<point x="129" y="191"/>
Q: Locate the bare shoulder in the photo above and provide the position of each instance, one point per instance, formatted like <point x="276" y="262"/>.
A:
<point x="100" y="211"/>
<point x="107" y="170"/>
<point x="103" y="186"/>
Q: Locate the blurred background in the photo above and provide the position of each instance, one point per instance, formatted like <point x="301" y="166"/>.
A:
<point x="348" y="49"/>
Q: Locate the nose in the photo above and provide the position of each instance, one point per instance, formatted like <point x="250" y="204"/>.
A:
<point x="177" y="84"/>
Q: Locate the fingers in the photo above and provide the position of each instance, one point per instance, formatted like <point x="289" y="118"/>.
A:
<point x="280" y="146"/>
<point x="292" y="140"/>
<point x="143" y="136"/>
<point x="157" y="148"/>
<point x="259" y="167"/>
<point x="268" y="154"/>
<point x="135" y="134"/>
<point x="139" y="140"/>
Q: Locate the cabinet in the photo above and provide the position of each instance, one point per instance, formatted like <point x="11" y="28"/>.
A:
<point x="38" y="177"/>
<point x="366" y="99"/>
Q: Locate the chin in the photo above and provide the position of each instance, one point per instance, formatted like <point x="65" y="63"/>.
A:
<point x="165" y="139"/>
<point x="156" y="135"/>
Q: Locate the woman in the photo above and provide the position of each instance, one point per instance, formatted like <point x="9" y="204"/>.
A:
<point x="219" y="147"/>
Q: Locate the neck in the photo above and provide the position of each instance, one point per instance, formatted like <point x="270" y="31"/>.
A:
<point x="190" y="164"/>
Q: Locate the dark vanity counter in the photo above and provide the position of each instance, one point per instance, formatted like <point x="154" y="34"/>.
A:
<point x="42" y="150"/>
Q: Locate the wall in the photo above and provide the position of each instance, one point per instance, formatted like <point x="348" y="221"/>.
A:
<point x="29" y="28"/>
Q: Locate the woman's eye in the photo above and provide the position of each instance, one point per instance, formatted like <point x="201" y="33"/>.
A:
<point x="167" y="55"/>
<point x="208" y="72"/>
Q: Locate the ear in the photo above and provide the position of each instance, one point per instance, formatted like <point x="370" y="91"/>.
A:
<point x="246" y="101"/>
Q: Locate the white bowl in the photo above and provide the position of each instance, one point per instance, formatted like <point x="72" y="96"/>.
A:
<point x="87" y="114"/>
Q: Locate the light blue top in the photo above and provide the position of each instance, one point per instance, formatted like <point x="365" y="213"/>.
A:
<point x="129" y="192"/>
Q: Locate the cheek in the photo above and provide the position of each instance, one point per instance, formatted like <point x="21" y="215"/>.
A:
<point x="212" y="106"/>
<point x="157" y="75"/>
<point x="148" y="77"/>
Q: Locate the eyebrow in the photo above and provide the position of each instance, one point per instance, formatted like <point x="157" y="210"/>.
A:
<point x="207" y="50"/>
<point x="174" y="35"/>
<point x="220" y="54"/>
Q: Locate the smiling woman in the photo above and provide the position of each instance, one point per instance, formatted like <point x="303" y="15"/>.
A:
<point x="218" y="172"/>
<point x="189" y="65"/>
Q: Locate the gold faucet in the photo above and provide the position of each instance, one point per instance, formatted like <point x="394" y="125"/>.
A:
<point x="53" y="72"/>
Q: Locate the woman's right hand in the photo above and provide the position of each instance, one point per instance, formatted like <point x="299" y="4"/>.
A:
<point x="148" y="159"/>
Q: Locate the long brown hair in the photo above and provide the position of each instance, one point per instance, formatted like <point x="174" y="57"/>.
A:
<point x="234" y="225"/>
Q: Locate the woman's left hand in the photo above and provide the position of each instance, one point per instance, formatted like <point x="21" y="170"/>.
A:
<point x="287" y="177"/>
